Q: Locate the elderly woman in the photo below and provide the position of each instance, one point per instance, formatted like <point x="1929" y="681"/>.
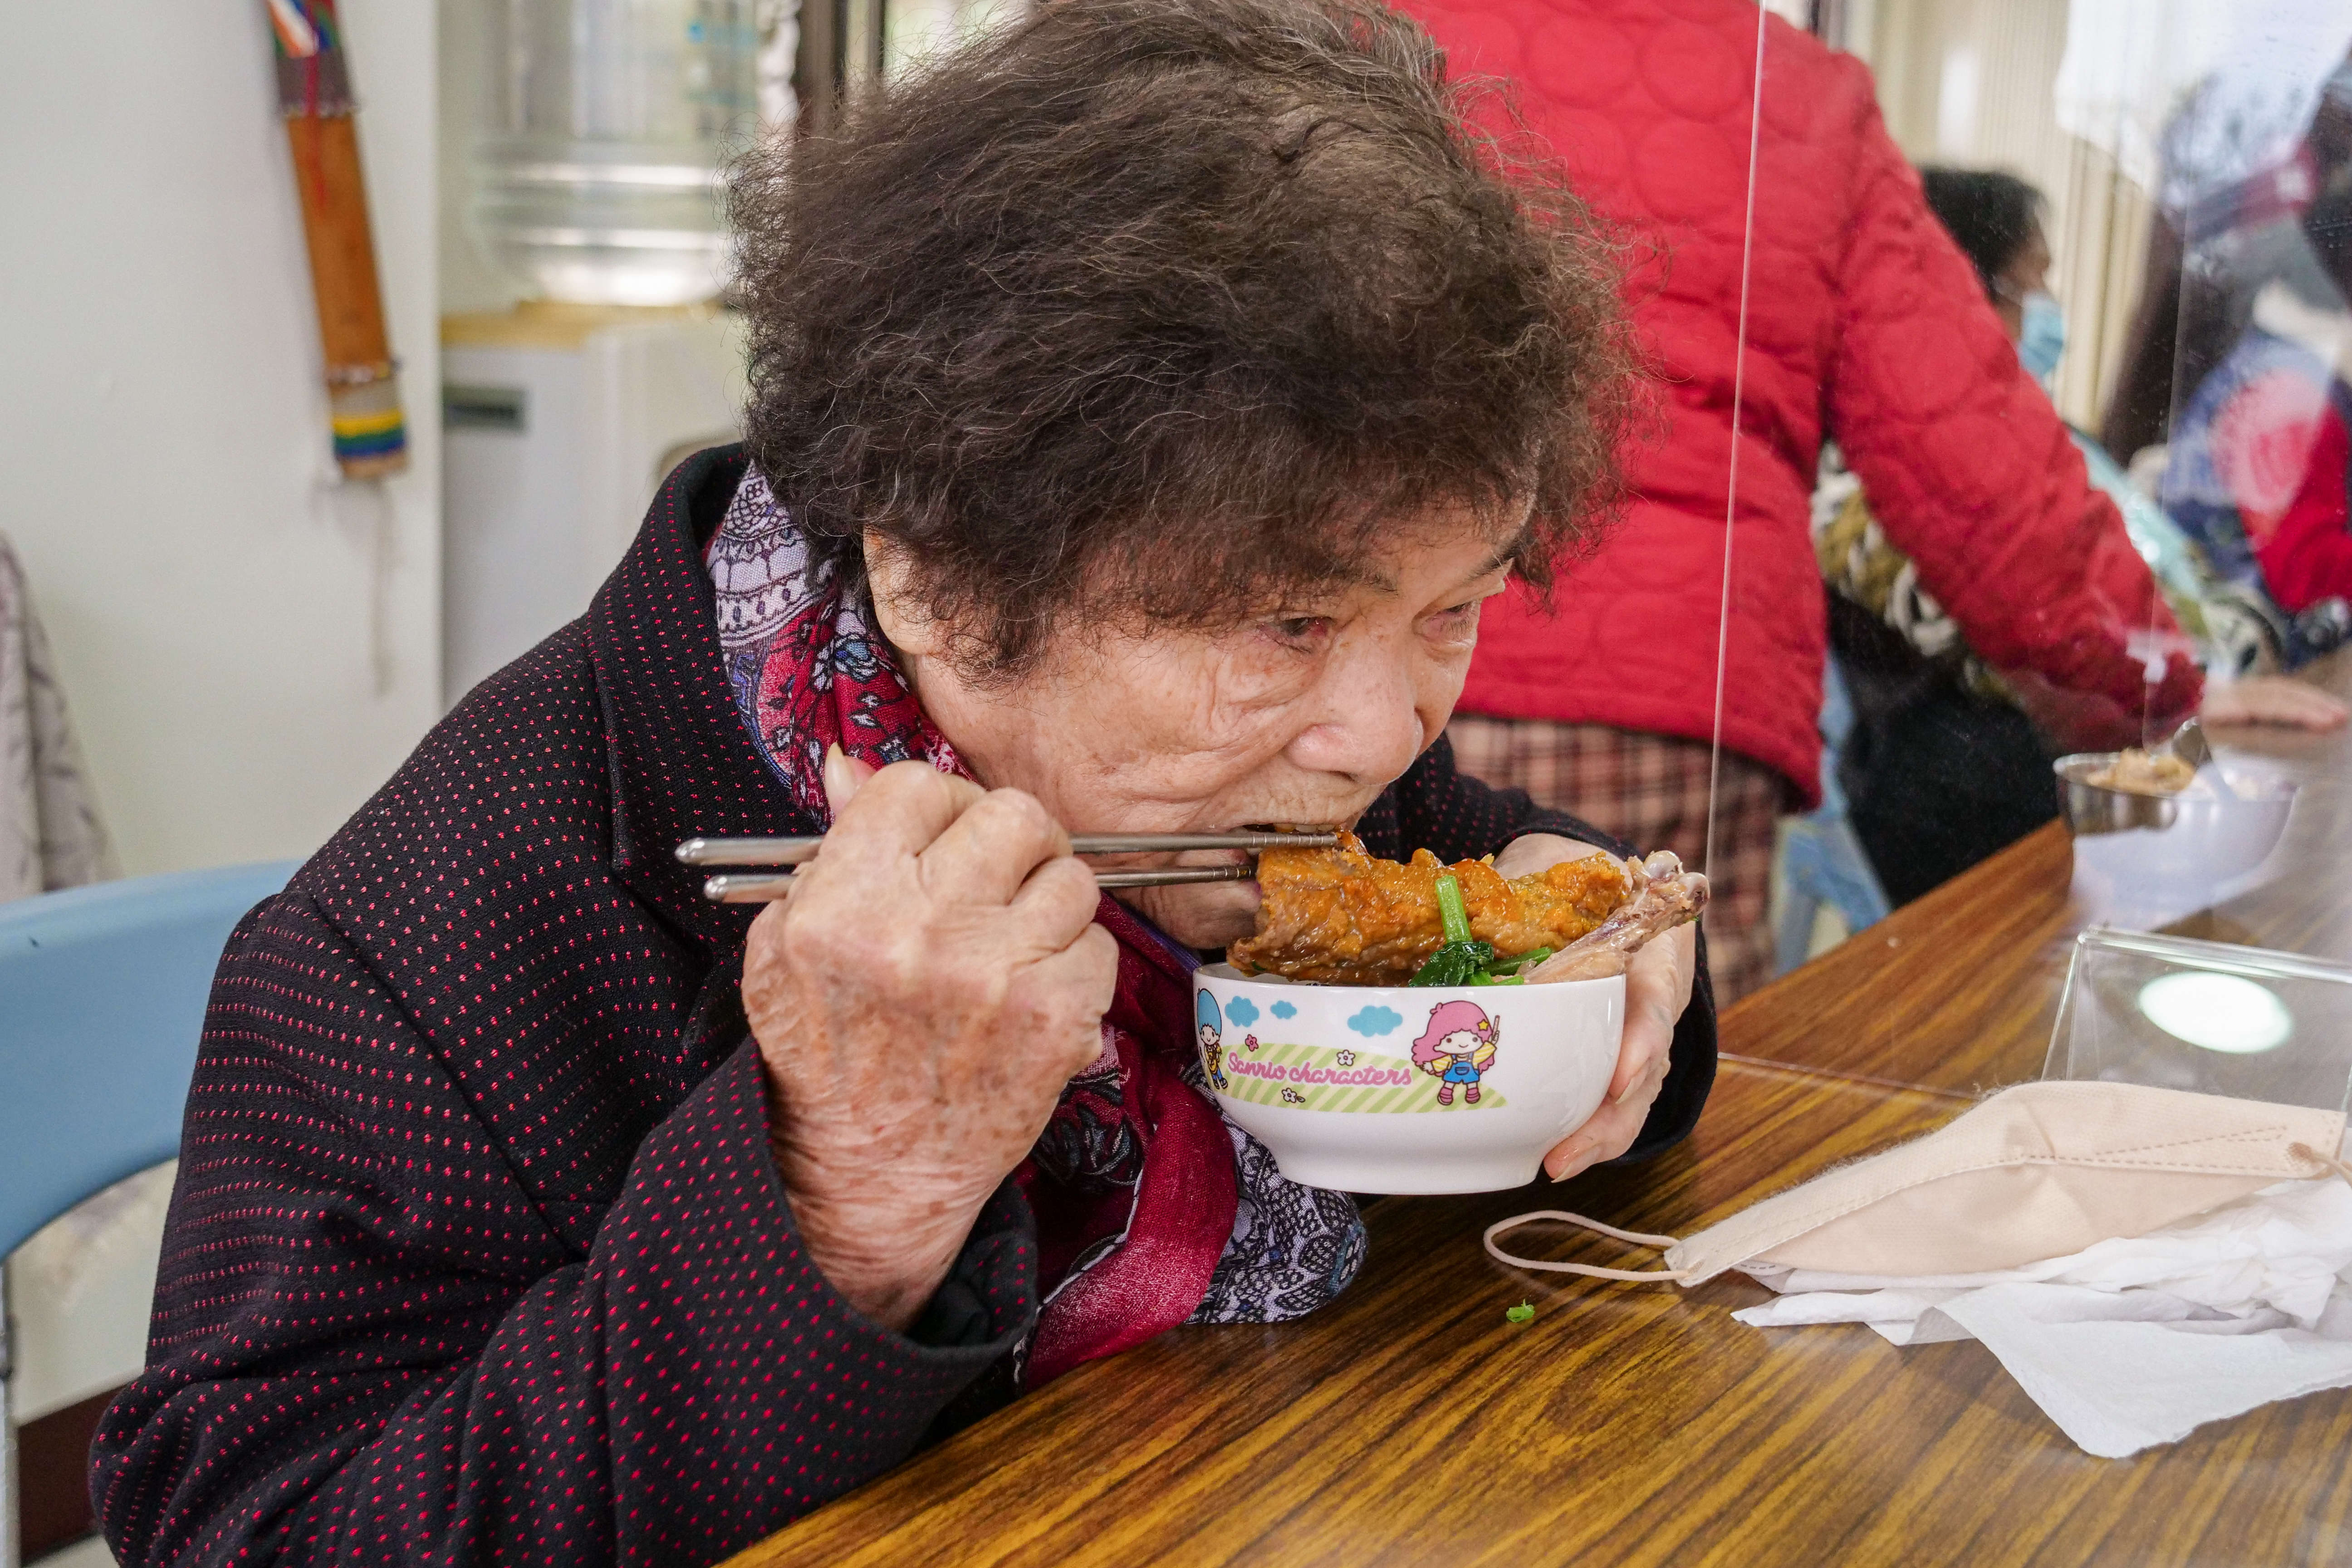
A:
<point x="1145" y="400"/>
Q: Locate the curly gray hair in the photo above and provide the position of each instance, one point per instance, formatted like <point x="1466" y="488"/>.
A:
<point x="1168" y="308"/>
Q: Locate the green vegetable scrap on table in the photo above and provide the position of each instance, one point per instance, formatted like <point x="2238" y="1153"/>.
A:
<point x="1465" y="960"/>
<point x="1520" y="1313"/>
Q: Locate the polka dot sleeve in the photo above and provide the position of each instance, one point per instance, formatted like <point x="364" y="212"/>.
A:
<point x="374" y="1342"/>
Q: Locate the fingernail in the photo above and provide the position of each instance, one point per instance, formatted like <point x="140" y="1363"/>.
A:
<point x="841" y="778"/>
<point x="1578" y="1148"/>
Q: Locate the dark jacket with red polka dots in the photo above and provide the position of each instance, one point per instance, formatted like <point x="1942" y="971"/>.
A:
<point x="478" y="1252"/>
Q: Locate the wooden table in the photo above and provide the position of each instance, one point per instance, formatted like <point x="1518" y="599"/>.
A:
<point x="1958" y="989"/>
<point x="1410" y="1423"/>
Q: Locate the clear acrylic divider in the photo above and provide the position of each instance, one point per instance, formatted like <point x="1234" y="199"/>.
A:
<point x="2208" y="1017"/>
<point x="2036" y="552"/>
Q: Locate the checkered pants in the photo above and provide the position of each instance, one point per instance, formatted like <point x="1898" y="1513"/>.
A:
<point x="1651" y="790"/>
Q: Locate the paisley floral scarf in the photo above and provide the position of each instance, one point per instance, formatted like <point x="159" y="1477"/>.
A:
<point x="1151" y="1209"/>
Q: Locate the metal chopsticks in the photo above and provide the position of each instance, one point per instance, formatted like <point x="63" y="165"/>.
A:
<point x="799" y="851"/>
<point x="764" y="889"/>
<point x="768" y="885"/>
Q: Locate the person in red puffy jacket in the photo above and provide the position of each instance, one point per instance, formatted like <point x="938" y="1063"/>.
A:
<point x="1865" y="322"/>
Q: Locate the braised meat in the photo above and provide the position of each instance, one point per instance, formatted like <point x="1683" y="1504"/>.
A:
<point x="1662" y="897"/>
<point x="1341" y="916"/>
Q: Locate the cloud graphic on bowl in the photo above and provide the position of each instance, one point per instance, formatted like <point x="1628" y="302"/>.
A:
<point x="1242" y="1011"/>
<point x="1372" y="1021"/>
<point x="1284" y="1010"/>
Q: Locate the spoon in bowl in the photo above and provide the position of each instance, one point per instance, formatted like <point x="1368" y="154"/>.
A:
<point x="2189" y="743"/>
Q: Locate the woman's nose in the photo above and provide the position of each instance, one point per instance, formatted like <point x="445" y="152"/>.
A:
<point x="1369" y="725"/>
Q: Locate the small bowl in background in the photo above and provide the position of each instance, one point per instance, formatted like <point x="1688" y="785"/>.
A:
<point x="1395" y="1089"/>
<point x="2155" y="858"/>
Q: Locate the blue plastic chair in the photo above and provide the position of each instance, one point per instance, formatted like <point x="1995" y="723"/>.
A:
<point x="102" y="992"/>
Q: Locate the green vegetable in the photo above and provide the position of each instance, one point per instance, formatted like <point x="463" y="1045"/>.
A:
<point x="1463" y="960"/>
<point x="1450" y="912"/>
<point x="1520" y="1313"/>
<point x="1456" y="963"/>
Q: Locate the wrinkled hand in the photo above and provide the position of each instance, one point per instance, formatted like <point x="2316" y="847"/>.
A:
<point x="1658" y="982"/>
<point x="2270" y="700"/>
<point x="919" y="1000"/>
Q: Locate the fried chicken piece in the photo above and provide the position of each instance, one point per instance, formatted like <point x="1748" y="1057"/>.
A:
<point x="1341" y="916"/>
<point x="1664" y="896"/>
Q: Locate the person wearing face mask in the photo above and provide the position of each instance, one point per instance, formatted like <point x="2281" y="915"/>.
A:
<point x="1996" y="219"/>
<point x="534" y="1208"/>
<point x="1944" y="766"/>
<point x="1791" y="287"/>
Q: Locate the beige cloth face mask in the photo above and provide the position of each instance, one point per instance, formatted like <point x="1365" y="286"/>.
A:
<point x="2041" y="1170"/>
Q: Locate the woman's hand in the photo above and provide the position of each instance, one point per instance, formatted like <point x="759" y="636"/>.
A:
<point x="2270" y="700"/>
<point x="1658" y="982"/>
<point x="919" y="1000"/>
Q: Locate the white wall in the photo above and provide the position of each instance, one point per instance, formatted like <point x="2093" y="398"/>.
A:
<point x="248" y="646"/>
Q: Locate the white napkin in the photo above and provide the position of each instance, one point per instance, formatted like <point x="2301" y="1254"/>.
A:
<point x="2138" y="1340"/>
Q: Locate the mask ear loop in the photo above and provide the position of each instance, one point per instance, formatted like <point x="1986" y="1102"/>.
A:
<point x="2326" y="1162"/>
<point x="1640" y="1276"/>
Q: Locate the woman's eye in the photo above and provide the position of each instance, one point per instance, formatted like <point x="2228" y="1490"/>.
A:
<point x="1455" y="619"/>
<point x="1300" y="630"/>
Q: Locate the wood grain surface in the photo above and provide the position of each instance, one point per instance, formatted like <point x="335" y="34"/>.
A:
<point x="1411" y="1423"/>
<point x="1959" y="990"/>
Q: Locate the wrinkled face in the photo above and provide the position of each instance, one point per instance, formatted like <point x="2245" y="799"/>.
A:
<point x="1300" y="717"/>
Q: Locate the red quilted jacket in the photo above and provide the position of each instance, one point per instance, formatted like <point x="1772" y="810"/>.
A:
<point x="1865" y="323"/>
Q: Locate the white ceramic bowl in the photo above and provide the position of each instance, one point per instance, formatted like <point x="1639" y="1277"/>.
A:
<point x="1350" y="1087"/>
<point x="2146" y="860"/>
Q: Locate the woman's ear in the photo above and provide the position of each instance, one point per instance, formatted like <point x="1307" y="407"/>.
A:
<point x="900" y="613"/>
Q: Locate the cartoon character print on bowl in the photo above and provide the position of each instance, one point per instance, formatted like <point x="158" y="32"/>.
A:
<point x="1319" y="1078"/>
<point x="1397" y="1089"/>
<point x="1212" y="1032"/>
<point x="1457" y="1048"/>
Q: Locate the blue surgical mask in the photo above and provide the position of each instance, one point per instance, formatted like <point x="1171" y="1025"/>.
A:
<point x="2043" y="338"/>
